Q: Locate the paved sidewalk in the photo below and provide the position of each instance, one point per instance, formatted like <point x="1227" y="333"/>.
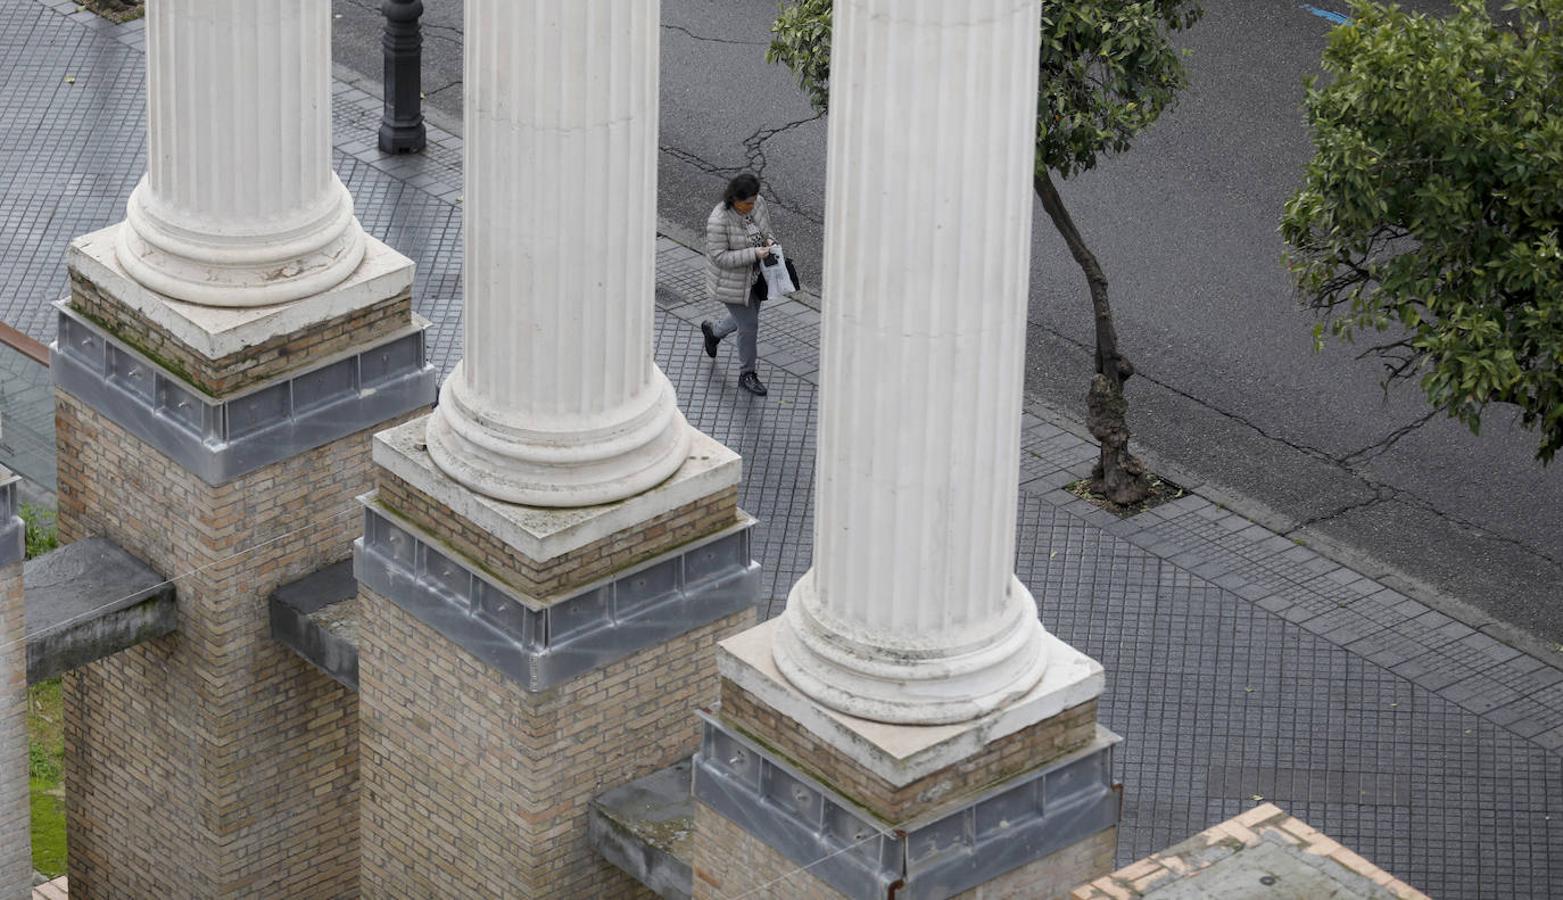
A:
<point x="1242" y="667"/>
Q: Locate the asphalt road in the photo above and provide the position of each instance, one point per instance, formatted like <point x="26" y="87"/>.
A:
<point x="1231" y="396"/>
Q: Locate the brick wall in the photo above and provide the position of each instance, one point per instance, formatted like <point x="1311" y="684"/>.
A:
<point x="474" y="787"/>
<point x="212" y="762"/>
<point x="558" y="576"/>
<point x="729" y="862"/>
<point x="252" y="365"/>
<point x="16" y="864"/>
<point x="1026" y="749"/>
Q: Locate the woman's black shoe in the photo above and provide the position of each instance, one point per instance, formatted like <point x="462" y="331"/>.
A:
<point x="711" y="339"/>
<point x="751" y="383"/>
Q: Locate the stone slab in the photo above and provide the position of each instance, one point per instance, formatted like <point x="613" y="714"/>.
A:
<point x="543" y="534"/>
<point x="91" y="599"/>
<point x="902" y="754"/>
<point x="1261" y="853"/>
<point x="646" y="828"/>
<point x="217" y="332"/>
<point x="1271" y="871"/>
<point x="317" y="616"/>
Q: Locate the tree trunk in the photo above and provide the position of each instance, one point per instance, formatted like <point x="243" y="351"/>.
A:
<point x="1119" y="475"/>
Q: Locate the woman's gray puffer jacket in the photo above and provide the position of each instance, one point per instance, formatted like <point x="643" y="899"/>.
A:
<point x="730" y="256"/>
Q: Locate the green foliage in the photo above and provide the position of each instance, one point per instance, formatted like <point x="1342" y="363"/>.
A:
<point x="1108" y="70"/>
<point x="40" y="533"/>
<point x="48" y="828"/>
<point x="800" y="40"/>
<point x="1432" y="206"/>
<point x="45" y="762"/>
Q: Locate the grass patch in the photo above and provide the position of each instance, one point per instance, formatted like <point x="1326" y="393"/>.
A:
<point x="45" y="730"/>
<point x="45" y="766"/>
<point x="41" y="534"/>
<point x="48" y="829"/>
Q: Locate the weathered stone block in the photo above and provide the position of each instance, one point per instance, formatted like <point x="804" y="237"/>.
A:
<point x="91" y="599"/>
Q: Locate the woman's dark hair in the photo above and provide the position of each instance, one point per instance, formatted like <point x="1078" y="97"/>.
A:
<point x="741" y="188"/>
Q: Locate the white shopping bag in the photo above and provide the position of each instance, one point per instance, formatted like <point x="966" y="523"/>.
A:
<point x="774" y="268"/>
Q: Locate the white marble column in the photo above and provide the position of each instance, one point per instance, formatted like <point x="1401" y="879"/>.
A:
<point x="557" y="401"/>
<point x="912" y="613"/>
<point x="239" y="206"/>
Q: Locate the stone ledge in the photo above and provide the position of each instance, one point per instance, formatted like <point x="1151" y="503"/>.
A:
<point x="901" y="754"/>
<point x="317" y="617"/>
<point x="88" y="600"/>
<point x="647" y="829"/>
<point x="217" y="332"/>
<point x="543" y="534"/>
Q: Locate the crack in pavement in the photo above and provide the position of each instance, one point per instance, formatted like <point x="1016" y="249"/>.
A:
<point x="712" y="40"/>
<point x="1383" y="445"/>
<point x="1382" y="491"/>
<point x="754" y="144"/>
<point x="772" y="196"/>
<point x="428" y="95"/>
<point x="1377" y="498"/>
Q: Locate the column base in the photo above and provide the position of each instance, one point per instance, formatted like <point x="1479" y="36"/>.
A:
<point x="244" y="271"/>
<point x="224" y="392"/>
<point x="851" y="807"/>
<point x="595" y="464"/>
<point x="911" y="688"/>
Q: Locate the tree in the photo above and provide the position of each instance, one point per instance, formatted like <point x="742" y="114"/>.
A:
<point x="1108" y="71"/>
<point x="1432" y="206"/>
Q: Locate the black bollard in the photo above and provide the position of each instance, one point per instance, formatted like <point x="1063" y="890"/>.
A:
<point x="401" y="128"/>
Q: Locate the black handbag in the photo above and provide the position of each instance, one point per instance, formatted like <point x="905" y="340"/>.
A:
<point x="760" y="292"/>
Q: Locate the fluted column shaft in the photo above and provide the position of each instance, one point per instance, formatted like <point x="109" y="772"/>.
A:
<point x="239" y="206"/>
<point x="912" y="612"/>
<point x="557" y="401"/>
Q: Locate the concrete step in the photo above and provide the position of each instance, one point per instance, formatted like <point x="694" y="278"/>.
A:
<point x="647" y="828"/>
<point x="88" y="600"/>
<point x="317" y="616"/>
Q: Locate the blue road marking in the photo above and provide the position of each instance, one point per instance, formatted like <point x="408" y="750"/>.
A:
<point x="1334" y="17"/>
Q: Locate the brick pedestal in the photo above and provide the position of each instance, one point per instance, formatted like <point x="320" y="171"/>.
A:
<point x="796" y="800"/>
<point x="516" y="662"/>
<point x="224" y="449"/>
<point x="16" y="863"/>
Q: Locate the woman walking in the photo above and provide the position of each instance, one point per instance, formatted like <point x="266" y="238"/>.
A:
<point x="738" y="237"/>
